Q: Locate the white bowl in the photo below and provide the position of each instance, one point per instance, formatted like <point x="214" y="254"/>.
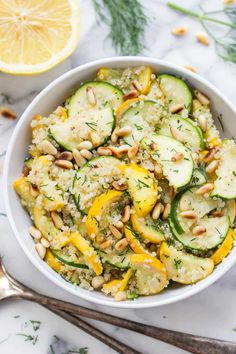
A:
<point x="52" y="96"/>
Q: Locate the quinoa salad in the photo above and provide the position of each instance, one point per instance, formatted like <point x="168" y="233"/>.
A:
<point x="129" y="185"/>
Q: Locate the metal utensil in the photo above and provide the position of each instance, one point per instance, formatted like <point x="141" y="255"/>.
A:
<point x="10" y="288"/>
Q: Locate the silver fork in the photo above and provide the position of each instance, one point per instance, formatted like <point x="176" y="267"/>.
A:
<point x="10" y="288"/>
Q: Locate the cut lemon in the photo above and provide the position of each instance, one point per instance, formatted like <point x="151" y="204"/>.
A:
<point x="36" y="35"/>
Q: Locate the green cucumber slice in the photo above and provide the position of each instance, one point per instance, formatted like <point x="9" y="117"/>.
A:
<point x="189" y="133"/>
<point x="67" y="259"/>
<point x="75" y="129"/>
<point x="117" y="261"/>
<point x="93" y="178"/>
<point x="176" y="91"/>
<point x="216" y="228"/>
<point x="105" y="95"/>
<point x="162" y="149"/>
<point x="225" y="184"/>
<point x="143" y="118"/>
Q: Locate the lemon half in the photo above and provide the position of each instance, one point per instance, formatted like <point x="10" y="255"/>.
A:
<point x="36" y="35"/>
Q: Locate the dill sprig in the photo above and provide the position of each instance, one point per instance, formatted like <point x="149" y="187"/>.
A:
<point x="226" y="45"/>
<point x="127" y="21"/>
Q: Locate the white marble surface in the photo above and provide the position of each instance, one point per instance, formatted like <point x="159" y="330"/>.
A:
<point x="210" y="313"/>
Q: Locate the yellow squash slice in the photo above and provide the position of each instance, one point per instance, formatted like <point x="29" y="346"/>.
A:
<point x="124" y="106"/>
<point x="224" y="248"/>
<point x="134" y="242"/>
<point x="146" y="228"/>
<point x="150" y="274"/>
<point x="22" y="188"/>
<point x="183" y="267"/>
<point x="52" y="261"/>
<point x="142" y="188"/>
<point x="37" y="35"/>
<point x="89" y="253"/>
<point x="99" y="206"/>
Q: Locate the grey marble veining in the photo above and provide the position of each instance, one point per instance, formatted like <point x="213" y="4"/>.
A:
<point x="210" y="313"/>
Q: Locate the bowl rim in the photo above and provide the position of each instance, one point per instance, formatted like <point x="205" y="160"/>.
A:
<point x="89" y="296"/>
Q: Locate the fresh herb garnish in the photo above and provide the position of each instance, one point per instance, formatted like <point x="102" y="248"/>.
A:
<point x="127" y="22"/>
<point x="91" y="125"/>
<point x="177" y="263"/>
<point x="29" y="338"/>
<point x="141" y="184"/>
<point x="225" y="46"/>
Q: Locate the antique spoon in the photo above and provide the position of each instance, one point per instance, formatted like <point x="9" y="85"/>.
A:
<point x="10" y="288"/>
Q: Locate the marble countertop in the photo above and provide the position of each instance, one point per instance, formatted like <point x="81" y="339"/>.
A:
<point x="210" y="313"/>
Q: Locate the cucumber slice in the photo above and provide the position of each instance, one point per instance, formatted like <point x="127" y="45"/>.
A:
<point x="225" y="184"/>
<point x="189" y="133"/>
<point x="184" y="268"/>
<point x="70" y="133"/>
<point x="216" y="228"/>
<point x="162" y="149"/>
<point x="142" y="117"/>
<point x="105" y="95"/>
<point x="67" y="259"/>
<point x="176" y="91"/>
<point x="93" y="178"/>
<point x="117" y="261"/>
<point x="199" y="176"/>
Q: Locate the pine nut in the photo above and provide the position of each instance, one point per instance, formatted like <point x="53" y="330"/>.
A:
<point x="48" y="148"/>
<point x="172" y="191"/>
<point x="217" y="213"/>
<point x="119" y="186"/>
<point x="120" y="245"/>
<point x="57" y="220"/>
<point x="120" y="296"/>
<point x="119" y="224"/>
<point x="203" y="123"/>
<point x="97" y="282"/>
<point x="86" y="144"/>
<point x="205" y="189"/>
<point x="176" y="134"/>
<point x="179" y="31"/>
<point x="115" y="232"/>
<point x="91" y="96"/>
<point x="209" y="156"/>
<point x="137" y="85"/>
<point x="202" y="98"/>
<point x="80" y="160"/>
<point x="198" y="230"/>
<point x="157" y="211"/>
<point x="67" y="165"/>
<point x="95" y="139"/>
<point x="114" y="136"/>
<point x="190" y="68"/>
<point x="166" y="211"/>
<point x="188" y="214"/>
<point x="7" y="112"/>
<point x="153" y="146"/>
<point x="104" y="151"/>
<point x="153" y="76"/>
<point x="35" y="233"/>
<point x="212" y="166"/>
<point x="25" y="171"/>
<point x="123" y="131"/>
<point x="177" y="108"/>
<point x="119" y="151"/>
<point x="202" y="38"/>
<point x="131" y="94"/>
<point x="126" y="214"/>
<point x="45" y="242"/>
<point x="65" y="155"/>
<point x="157" y="170"/>
<point x="41" y="250"/>
<point x="177" y="157"/>
<point x="86" y="154"/>
<point x="34" y="191"/>
<point x="133" y="152"/>
<point x="106" y="244"/>
<point x="184" y="204"/>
